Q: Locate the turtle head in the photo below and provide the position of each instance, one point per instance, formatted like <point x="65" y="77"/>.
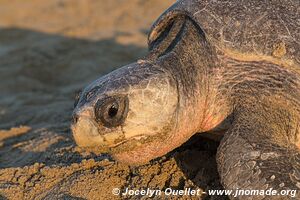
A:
<point x="128" y="113"/>
<point x="146" y="109"/>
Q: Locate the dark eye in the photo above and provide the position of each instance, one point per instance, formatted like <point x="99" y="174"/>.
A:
<point x="111" y="111"/>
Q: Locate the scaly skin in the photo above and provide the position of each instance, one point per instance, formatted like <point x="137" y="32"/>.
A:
<point x="261" y="148"/>
<point x="207" y="68"/>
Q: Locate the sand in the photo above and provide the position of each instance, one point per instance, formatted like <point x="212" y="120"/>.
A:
<point x="48" y="51"/>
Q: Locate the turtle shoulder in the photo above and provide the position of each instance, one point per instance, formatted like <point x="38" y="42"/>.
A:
<point x="247" y="29"/>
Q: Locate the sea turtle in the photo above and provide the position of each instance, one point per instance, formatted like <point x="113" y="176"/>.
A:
<point x="213" y="65"/>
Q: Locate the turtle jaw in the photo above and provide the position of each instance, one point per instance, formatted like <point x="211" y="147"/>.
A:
<point x="143" y="151"/>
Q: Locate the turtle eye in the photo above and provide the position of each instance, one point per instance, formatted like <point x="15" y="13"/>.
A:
<point x="111" y="111"/>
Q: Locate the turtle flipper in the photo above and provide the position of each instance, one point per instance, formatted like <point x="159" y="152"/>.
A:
<point x="248" y="160"/>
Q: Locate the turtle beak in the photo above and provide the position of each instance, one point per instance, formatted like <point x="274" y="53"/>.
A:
<point x="85" y="131"/>
<point x="88" y="134"/>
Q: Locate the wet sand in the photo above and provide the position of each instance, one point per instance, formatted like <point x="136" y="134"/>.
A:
<point x="48" y="51"/>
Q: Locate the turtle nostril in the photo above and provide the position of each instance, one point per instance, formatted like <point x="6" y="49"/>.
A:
<point x="75" y="118"/>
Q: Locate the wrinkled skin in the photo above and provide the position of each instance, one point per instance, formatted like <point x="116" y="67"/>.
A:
<point x="198" y="78"/>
